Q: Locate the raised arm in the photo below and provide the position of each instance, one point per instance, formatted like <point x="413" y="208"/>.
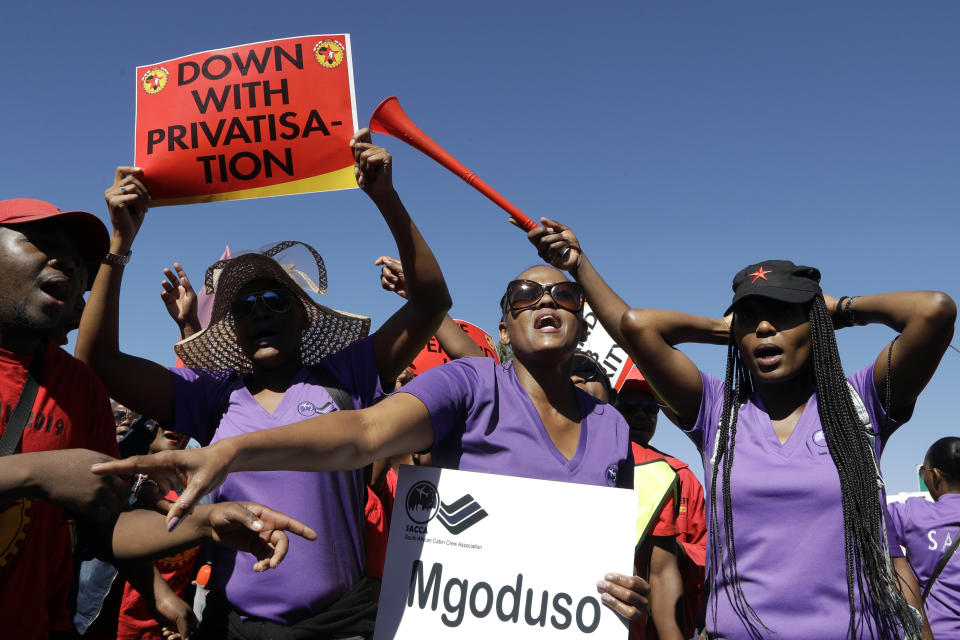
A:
<point x="140" y="384"/>
<point x="451" y="337"/>
<point x="925" y="322"/>
<point x="180" y="300"/>
<point x="332" y="442"/>
<point x="404" y="334"/>
<point x="648" y="336"/>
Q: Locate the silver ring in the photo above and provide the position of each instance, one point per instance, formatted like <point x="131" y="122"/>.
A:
<point x="123" y="189"/>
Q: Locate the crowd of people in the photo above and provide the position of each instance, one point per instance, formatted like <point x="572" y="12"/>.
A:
<point x="282" y="431"/>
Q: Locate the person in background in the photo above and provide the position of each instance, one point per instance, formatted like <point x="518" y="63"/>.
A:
<point x="928" y="532"/>
<point x="640" y="408"/>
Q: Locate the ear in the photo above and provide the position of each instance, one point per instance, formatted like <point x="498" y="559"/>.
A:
<point x="504" y="336"/>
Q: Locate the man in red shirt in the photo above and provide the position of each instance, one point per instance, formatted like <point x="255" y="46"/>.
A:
<point x="640" y="409"/>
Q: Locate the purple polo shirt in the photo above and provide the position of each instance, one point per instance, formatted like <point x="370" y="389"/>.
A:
<point x="788" y="518"/>
<point x="315" y="574"/>
<point x="483" y="420"/>
<point x="926" y="530"/>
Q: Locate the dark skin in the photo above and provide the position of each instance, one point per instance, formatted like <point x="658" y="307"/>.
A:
<point x="924" y="320"/>
<point x="543" y="339"/>
<point x="148" y="387"/>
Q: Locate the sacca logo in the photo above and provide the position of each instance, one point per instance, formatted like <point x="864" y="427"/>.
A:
<point x="423" y="504"/>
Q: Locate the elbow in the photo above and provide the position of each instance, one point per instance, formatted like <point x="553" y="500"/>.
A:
<point x="939" y="313"/>
<point x="636" y="323"/>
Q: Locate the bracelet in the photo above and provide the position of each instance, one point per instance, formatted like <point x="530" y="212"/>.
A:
<point x="850" y="318"/>
<point x="116" y="259"/>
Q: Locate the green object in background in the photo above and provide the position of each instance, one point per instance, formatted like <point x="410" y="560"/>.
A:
<point x="923" y="485"/>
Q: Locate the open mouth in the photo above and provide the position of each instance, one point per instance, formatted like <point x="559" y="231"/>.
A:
<point x="768" y="355"/>
<point x="548" y="321"/>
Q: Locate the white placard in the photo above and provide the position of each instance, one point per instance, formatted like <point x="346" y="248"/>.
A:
<point x="477" y="555"/>
<point x="602" y="348"/>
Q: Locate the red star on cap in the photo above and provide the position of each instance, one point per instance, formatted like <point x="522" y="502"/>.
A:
<point x="758" y="274"/>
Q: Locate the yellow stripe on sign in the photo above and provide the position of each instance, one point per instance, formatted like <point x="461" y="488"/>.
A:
<point x="332" y="181"/>
<point x="653" y="482"/>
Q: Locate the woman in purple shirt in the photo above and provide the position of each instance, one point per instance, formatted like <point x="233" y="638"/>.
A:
<point x="797" y="543"/>
<point x="927" y="531"/>
<point x="523" y="418"/>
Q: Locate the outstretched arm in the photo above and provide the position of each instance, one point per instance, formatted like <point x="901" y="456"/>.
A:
<point x="332" y="442"/>
<point x="180" y="300"/>
<point x="452" y="339"/>
<point x="140" y="384"/>
<point x="401" y="337"/>
<point x="925" y="322"/>
<point x="647" y="335"/>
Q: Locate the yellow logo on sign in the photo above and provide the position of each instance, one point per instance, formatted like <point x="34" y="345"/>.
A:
<point x="329" y="53"/>
<point x="155" y="80"/>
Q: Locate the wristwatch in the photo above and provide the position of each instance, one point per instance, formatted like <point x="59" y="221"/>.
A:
<point x="118" y="260"/>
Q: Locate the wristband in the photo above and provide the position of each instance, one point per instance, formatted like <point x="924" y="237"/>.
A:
<point x="849" y="317"/>
<point x="116" y="259"/>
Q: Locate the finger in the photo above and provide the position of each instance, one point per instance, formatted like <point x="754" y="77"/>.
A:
<point x="280" y="544"/>
<point x="361" y="136"/>
<point x="123" y="172"/>
<point x="277" y="520"/>
<point x="621" y="588"/>
<point x="557" y="226"/>
<point x="116" y="467"/>
<point x="184" y="505"/>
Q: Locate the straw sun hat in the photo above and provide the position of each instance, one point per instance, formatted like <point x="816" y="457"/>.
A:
<point x="293" y="264"/>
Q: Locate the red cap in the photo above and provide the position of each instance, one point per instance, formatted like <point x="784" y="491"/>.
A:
<point x="635" y="380"/>
<point x="89" y="230"/>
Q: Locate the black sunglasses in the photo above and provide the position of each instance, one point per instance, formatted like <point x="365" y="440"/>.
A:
<point x="523" y="294"/>
<point x="276" y="300"/>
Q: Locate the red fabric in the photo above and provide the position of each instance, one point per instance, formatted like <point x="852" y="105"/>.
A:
<point x="378" y="511"/>
<point x="72" y="410"/>
<point x="136" y="621"/>
<point x="689" y="522"/>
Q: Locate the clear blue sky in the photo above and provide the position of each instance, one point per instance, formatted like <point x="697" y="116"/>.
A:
<point x="681" y="141"/>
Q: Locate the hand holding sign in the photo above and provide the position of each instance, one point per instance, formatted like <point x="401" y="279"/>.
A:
<point x="373" y="166"/>
<point x="128" y="201"/>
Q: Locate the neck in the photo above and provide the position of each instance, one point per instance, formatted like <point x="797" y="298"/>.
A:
<point x="18" y="341"/>
<point x="783" y="398"/>
<point x="548" y="382"/>
<point x="276" y="379"/>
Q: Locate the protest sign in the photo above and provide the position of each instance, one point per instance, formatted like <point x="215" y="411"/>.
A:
<point x="602" y="348"/>
<point x="479" y="555"/>
<point x="264" y="119"/>
<point x="433" y="355"/>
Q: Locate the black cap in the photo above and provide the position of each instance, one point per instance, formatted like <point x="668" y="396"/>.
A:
<point x="776" y="279"/>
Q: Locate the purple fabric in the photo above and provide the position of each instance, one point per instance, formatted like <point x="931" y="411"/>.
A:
<point x="926" y="530"/>
<point x="788" y="518"/>
<point x="316" y="573"/>
<point x="483" y="420"/>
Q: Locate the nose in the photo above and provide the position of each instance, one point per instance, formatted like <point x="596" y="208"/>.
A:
<point x="765" y="328"/>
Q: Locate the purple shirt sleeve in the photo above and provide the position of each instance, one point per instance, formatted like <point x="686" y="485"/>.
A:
<point x="199" y="393"/>
<point x="895" y="531"/>
<point x="447" y="391"/>
<point x="862" y="381"/>
<point x="711" y="405"/>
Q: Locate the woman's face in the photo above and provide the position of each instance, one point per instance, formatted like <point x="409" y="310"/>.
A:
<point x="773" y="338"/>
<point x="543" y="329"/>
<point x="268" y="330"/>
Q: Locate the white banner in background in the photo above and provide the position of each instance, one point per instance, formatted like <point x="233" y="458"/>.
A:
<point x="476" y="555"/>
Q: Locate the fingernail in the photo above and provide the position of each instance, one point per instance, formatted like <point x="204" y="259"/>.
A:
<point x="609" y="576"/>
<point x="174" y="521"/>
<point x="602" y="585"/>
<point x="258" y="525"/>
<point x="606" y="597"/>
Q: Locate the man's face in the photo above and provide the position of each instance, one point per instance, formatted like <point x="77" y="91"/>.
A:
<point x="43" y="276"/>
<point x="639" y="409"/>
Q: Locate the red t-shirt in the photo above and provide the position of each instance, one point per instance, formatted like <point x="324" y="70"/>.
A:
<point x="378" y="511"/>
<point x="71" y="411"/>
<point x="136" y="622"/>
<point x="688" y="520"/>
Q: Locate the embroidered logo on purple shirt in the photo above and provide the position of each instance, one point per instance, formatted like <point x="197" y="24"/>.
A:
<point x="306" y="408"/>
<point x="611" y="475"/>
<point x="819" y="439"/>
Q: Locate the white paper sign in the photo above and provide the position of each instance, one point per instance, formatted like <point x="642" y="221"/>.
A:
<point x="476" y="555"/>
<point x="602" y="348"/>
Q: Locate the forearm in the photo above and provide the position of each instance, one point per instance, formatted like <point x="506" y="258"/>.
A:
<point x="17" y="479"/>
<point x="455" y="340"/>
<point x="929" y="312"/>
<point x="143" y="534"/>
<point x="608" y="306"/>
<point x="98" y="340"/>
<point x="666" y="591"/>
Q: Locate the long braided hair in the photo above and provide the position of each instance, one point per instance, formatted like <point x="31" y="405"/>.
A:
<point x="871" y="585"/>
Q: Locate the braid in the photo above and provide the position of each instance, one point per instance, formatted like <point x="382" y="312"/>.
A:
<point x="737" y="387"/>
<point x="870" y="578"/>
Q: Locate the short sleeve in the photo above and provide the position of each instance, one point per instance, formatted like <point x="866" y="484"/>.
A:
<point x="862" y="381"/>
<point x="447" y="391"/>
<point x="711" y="404"/>
<point x="896" y="535"/>
<point x="197" y="394"/>
<point x="666" y="522"/>
<point x="356" y="368"/>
